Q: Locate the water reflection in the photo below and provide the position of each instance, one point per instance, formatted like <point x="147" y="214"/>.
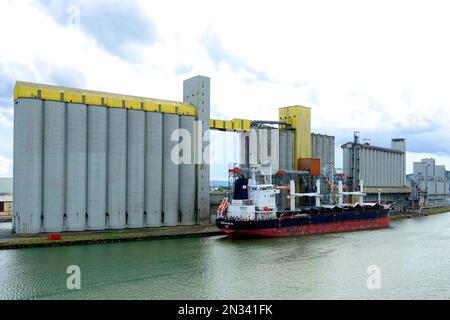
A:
<point x="413" y="255"/>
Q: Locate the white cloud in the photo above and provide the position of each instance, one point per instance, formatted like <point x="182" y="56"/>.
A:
<point x="376" y="67"/>
<point x="6" y="167"/>
<point x="412" y="157"/>
<point x="6" y="117"/>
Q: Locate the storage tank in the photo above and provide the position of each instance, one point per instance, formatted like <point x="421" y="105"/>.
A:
<point x="282" y="149"/>
<point x="318" y="147"/>
<point x="187" y="173"/>
<point x="274" y="148"/>
<point x="54" y="166"/>
<point x="323" y="148"/>
<point x="81" y="173"/>
<point x="153" y="168"/>
<point x="97" y="167"/>
<point x="29" y="161"/>
<point x="171" y="171"/>
<point x="290" y="140"/>
<point x="15" y="166"/>
<point x="244" y="148"/>
<point x="76" y="166"/>
<point x="135" y="169"/>
<point x="117" y="168"/>
<point x="263" y="146"/>
<point x="363" y="165"/>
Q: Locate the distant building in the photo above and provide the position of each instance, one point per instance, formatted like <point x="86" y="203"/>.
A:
<point x="447" y="174"/>
<point x="6" y="200"/>
<point x="383" y="170"/>
<point x="6" y="204"/>
<point x="430" y="184"/>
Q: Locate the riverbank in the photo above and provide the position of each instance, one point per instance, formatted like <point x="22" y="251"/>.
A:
<point x="5" y="218"/>
<point x="109" y="236"/>
<point x="84" y="238"/>
<point x="417" y="213"/>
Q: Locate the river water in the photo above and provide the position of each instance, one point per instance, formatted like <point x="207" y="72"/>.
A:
<point x="411" y="261"/>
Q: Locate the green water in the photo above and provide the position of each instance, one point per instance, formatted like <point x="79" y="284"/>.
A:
<point x="413" y="257"/>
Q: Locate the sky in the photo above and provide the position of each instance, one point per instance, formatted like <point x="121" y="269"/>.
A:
<point x="378" y="67"/>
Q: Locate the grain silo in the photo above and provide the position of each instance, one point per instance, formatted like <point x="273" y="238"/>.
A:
<point x="97" y="167"/>
<point x="153" y="168"/>
<point x="282" y="149"/>
<point x="54" y="166"/>
<point x="261" y="145"/>
<point x="382" y="169"/>
<point x="28" y="174"/>
<point x="76" y="166"/>
<point x="323" y="148"/>
<point x="135" y="168"/>
<point x="187" y="172"/>
<point x="171" y="171"/>
<point x="117" y="168"/>
<point x="87" y="160"/>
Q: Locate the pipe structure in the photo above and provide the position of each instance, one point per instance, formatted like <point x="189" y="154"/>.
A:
<point x="293" y="195"/>
<point x="279" y="172"/>
<point x="293" y="172"/>
<point x="318" y="193"/>
<point x="360" y="194"/>
<point x="262" y="122"/>
<point x="341" y="194"/>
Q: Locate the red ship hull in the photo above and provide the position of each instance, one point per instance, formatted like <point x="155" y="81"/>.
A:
<point x="302" y="230"/>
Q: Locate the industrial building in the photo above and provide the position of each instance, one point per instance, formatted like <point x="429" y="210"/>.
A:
<point x="383" y="170"/>
<point x="447" y="175"/>
<point x="264" y="144"/>
<point x="86" y="160"/>
<point x="282" y="143"/>
<point x="323" y="148"/>
<point x="6" y="204"/>
<point x="289" y="145"/>
<point x="6" y="200"/>
<point x="429" y="184"/>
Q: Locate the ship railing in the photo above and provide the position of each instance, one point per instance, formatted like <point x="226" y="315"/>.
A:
<point x="245" y="202"/>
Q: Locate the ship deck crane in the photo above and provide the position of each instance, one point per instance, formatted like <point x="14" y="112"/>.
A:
<point x="359" y="193"/>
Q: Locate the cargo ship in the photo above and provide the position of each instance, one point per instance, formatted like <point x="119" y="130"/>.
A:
<point x="252" y="211"/>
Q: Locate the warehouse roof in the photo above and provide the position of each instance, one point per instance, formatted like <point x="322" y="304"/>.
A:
<point x="322" y="135"/>
<point x="368" y="146"/>
<point x="72" y="95"/>
<point x="6" y="198"/>
<point x="384" y="190"/>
